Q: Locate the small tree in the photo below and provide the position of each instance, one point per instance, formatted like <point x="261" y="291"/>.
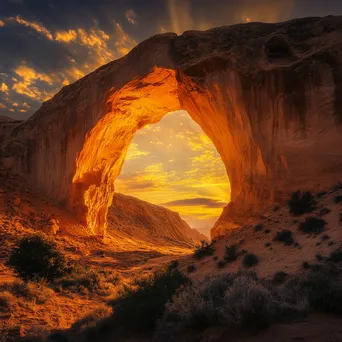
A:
<point x="38" y="257"/>
<point x="204" y="250"/>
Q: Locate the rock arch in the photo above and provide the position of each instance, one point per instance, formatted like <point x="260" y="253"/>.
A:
<point x="271" y="123"/>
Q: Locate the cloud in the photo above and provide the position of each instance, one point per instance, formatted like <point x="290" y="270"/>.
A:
<point x="205" y="202"/>
<point x="131" y="16"/>
<point x="2" y="23"/>
<point x="66" y="36"/>
<point x="4" y="88"/>
<point x="2" y="106"/>
<point x="33" y="25"/>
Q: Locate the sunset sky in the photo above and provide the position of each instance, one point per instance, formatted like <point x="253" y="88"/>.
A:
<point x="46" y="44"/>
<point x="174" y="164"/>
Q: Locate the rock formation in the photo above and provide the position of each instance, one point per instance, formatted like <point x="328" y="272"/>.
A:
<point x="151" y="223"/>
<point x="269" y="96"/>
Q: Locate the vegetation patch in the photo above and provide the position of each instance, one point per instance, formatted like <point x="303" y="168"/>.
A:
<point x="284" y="236"/>
<point x="231" y="253"/>
<point x="338" y="199"/>
<point x="301" y="203"/>
<point x="204" y="250"/>
<point x="258" y="228"/>
<point x="314" y="225"/>
<point x="279" y="277"/>
<point x="221" y="264"/>
<point x="191" y="268"/>
<point x="141" y="305"/>
<point x="336" y="256"/>
<point x="237" y="301"/>
<point x="250" y="260"/>
<point x="37" y="257"/>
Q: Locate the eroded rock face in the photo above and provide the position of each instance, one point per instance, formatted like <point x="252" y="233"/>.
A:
<point x="269" y="96"/>
<point x="151" y="223"/>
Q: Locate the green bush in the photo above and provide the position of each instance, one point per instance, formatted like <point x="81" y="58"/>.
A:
<point x="231" y="253"/>
<point x="301" y="203"/>
<point x="250" y="260"/>
<point x="204" y="250"/>
<point x="313" y="225"/>
<point x="139" y="307"/>
<point x="284" y="236"/>
<point x="37" y="257"/>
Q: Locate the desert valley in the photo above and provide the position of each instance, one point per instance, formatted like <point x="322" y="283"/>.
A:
<point x="80" y="261"/>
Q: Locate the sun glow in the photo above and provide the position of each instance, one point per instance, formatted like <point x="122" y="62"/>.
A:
<point x="174" y="164"/>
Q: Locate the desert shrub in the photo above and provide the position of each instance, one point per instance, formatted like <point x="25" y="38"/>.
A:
<point x="91" y="319"/>
<point x="301" y="203"/>
<point x="267" y="231"/>
<point x="235" y="301"/>
<point x="231" y="253"/>
<point x="92" y="279"/>
<point x="279" y="277"/>
<point x="325" y="237"/>
<point x="173" y="265"/>
<point x="258" y="228"/>
<point x="140" y="306"/>
<point x="191" y="268"/>
<point x="36" y="291"/>
<point x="337" y="199"/>
<point x="306" y="265"/>
<point x="336" y="256"/>
<point x="250" y="260"/>
<point x="215" y="258"/>
<point x="321" y="288"/>
<point x="7" y="302"/>
<point x="204" y="250"/>
<point x="38" y="257"/>
<point x="319" y="257"/>
<point x="284" y="236"/>
<point x="313" y="225"/>
<point x="221" y="264"/>
<point x="321" y="194"/>
<point x="268" y="244"/>
<point x="324" y="211"/>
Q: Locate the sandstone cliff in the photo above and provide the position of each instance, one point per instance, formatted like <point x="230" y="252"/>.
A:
<point x="151" y="223"/>
<point x="269" y="96"/>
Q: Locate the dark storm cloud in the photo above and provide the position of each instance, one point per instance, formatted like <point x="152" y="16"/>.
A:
<point x="54" y="42"/>
<point x="206" y="202"/>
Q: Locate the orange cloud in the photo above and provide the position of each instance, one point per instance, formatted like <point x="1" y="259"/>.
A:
<point x="66" y="36"/>
<point x="32" y="24"/>
<point x="2" y="106"/>
<point x="4" y="88"/>
<point x="2" y="23"/>
<point x="27" y="84"/>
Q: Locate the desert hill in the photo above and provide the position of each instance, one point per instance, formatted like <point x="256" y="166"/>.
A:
<point x="152" y="223"/>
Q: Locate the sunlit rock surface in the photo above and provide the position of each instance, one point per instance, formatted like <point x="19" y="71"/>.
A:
<point x="269" y="96"/>
<point x="151" y="223"/>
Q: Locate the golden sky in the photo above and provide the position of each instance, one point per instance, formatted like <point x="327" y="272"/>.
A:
<point x="174" y="164"/>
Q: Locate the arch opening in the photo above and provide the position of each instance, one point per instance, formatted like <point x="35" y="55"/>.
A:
<point x="145" y="101"/>
<point x="174" y="164"/>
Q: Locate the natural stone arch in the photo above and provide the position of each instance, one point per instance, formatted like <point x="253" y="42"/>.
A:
<point x="144" y="101"/>
<point x="272" y="122"/>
